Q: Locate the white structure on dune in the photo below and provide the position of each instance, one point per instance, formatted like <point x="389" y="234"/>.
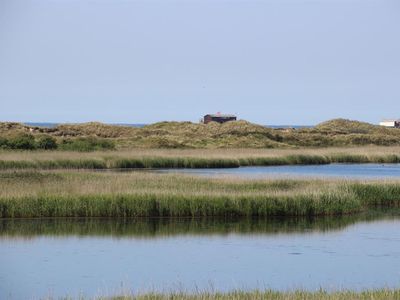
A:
<point x="390" y="123"/>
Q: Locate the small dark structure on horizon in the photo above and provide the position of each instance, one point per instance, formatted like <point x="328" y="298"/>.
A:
<point x="220" y="118"/>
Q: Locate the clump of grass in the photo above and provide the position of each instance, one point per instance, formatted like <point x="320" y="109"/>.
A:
<point x="172" y="162"/>
<point x="351" y="158"/>
<point x="389" y="159"/>
<point x="297" y="159"/>
<point x="54" y="164"/>
<point x="11" y="164"/>
<point x="73" y="164"/>
<point x="376" y="194"/>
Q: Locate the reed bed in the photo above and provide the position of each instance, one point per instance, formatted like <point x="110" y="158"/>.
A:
<point x="195" y="158"/>
<point x="377" y="294"/>
<point x="143" y="194"/>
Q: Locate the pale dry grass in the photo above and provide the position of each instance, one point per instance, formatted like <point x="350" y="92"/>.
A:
<point x="65" y="183"/>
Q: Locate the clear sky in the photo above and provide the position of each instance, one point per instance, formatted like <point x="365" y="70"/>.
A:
<point x="142" y="61"/>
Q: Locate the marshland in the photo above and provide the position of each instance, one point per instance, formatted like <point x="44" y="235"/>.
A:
<point x="214" y="149"/>
<point x="190" y="145"/>
<point x="63" y="194"/>
<point x="141" y="194"/>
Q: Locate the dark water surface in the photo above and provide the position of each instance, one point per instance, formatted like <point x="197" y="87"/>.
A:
<point x="360" y="171"/>
<point x="104" y="257"/>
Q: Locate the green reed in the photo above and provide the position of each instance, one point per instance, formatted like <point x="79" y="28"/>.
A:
<point x="148" y="162"/>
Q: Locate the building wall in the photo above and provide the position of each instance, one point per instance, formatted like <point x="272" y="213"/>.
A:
<point x="207" y="119"/>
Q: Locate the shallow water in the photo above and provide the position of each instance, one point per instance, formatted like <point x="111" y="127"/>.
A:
<point x="356" y="171"/>
<point x="104" y="257"/>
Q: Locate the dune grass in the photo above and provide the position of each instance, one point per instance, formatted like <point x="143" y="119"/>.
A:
<point x="142" y="194"/>
<point x="268" y="294"/>
<point x="216" y="158"/>
<point x="238" y="134"/>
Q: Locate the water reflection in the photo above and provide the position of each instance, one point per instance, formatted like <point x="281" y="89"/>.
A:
<point x="93" y="257"/>
<point x="165" y="227"/>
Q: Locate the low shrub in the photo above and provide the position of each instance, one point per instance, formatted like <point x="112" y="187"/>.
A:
<point x="46" y="142"/>
<point x="86" y="144"/>
<point x="4" y="143"/>
<point x="22" y="141"/>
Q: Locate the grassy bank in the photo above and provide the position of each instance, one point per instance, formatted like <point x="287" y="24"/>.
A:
<point x="271" y="295"/>
<point x="205" y="158"/>
<point x="140" y="194"/>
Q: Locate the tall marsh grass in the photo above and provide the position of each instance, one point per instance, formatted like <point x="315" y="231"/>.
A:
<point x="140" y="194"/>
<point x="228" y="158"/>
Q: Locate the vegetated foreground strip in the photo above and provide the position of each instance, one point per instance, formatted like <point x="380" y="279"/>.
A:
<point x="272" y="295"/>
<point x="87" y="194"/>
<point x="217" y="158"/>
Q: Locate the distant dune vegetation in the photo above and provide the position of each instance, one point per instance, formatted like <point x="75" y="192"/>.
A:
<point x="236" y="134"/>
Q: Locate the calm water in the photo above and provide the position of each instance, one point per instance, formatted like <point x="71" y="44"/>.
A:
<point x="332" y="170"/>
<point x="103" y="257"/>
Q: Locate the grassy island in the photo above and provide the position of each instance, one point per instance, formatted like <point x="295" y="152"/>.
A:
<point x="143" y="194"/>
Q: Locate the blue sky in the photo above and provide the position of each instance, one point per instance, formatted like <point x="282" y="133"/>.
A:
<point x="131" y="61"/>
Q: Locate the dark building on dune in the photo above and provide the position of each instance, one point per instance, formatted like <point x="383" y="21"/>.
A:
<point x="220" y="118"/>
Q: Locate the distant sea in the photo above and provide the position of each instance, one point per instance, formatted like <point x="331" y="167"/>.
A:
<point x="51" y="125"/>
